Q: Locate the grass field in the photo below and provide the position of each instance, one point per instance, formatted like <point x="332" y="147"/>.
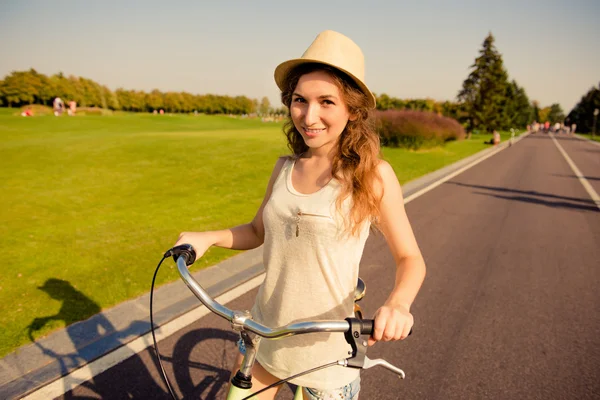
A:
<point x="95" y="201"/>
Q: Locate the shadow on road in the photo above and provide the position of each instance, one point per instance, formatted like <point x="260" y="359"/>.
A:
<point x="198" y="363"/>
<point x="553" y="204"/>
<point x="589" y="178"/>
<point x="545" y="199"/>
<point x="202" y="361"/>
<point x="98" y="329"/>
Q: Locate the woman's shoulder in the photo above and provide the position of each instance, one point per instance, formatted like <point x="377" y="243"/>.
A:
<point x="387" y="177"/>
<point x="281" y="162"/>
<point x="386" y="171"/>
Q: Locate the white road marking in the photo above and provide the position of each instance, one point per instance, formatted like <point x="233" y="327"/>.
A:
<point x="578" y="173"/>
<point x="452" y="175"/>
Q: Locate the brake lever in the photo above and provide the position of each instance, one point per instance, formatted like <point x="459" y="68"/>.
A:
<point x="358" y="354"/>
<point x="373" y="363"/>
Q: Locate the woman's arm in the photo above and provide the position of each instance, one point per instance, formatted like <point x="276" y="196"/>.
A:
<point x="242" y="237"/>
<point x="393" y="320"/>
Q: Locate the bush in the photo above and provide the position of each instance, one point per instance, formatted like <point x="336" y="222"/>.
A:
<point x="415" y="129"/>
<point x="37" y="109"/>
<point x="92" y="111"/>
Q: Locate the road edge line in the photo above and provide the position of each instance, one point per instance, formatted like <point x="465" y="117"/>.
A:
<point x="446" y="178"/>
<point x="582" y="180"/>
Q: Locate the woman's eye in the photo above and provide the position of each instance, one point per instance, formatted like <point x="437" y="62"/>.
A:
<point x="328" y="102"/>
<point x="298" y="100"/>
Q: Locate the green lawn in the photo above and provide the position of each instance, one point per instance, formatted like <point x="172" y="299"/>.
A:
<point x="596" y="137"/>
<point x="95" y="201"/>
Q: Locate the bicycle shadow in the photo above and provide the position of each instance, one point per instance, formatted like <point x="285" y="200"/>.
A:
<point x="202" y="360"/>
<point x="89" y="338"/>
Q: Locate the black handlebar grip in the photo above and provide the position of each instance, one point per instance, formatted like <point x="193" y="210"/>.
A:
<point x="186" y="251"/>
<point x="367" y="326"/>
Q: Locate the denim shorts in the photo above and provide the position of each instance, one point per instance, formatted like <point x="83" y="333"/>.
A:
<point x="348" y="392"/>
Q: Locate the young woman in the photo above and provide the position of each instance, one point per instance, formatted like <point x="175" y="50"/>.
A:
<point x="315" y="218"/>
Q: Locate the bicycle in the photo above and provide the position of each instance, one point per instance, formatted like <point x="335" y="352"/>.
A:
<point x="252" y="332"/>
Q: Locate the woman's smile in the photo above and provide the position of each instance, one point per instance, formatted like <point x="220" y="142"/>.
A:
<point x="312" y="132"/>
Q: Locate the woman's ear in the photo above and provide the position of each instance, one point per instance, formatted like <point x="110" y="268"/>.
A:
<point x="352" y="117"/>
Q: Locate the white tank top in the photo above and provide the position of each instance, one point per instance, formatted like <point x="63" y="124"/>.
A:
<point x="311" y="268"/>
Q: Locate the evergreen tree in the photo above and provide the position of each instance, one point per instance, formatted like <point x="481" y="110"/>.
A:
<point x="484" y="91"/>
<point x="518" y="111"/>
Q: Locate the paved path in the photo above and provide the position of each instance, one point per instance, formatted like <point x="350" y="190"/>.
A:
<point x="509" y="308"/>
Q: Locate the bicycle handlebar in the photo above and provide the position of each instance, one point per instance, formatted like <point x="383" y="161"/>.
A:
<point x="242" y="319"/>
<point x="352" y="328"/>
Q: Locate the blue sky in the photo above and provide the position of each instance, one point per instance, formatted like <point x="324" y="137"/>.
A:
<point x="413" y="49"/>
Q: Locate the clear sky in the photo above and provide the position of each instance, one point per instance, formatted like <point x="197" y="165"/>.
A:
<point x="413" y="49"/>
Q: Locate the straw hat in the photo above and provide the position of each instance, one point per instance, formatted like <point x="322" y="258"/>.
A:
<point x="333" y="49"/>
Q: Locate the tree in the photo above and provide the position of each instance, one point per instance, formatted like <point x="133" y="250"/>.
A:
<point x="484" y="91"/>
<point x="265" y="106"/>
<point x="556" y="114"/>
<point x="583" y="113"/>
<point x="544" y="112"/>
<point x="518" y="111"/>
<point x="21" y="87"/>
<point x="536" y="111"/>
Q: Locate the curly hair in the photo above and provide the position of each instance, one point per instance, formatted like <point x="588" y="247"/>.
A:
<point x="357" y="154"/>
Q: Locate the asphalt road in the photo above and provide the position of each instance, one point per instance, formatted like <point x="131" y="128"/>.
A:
<point x="510" y="308"/>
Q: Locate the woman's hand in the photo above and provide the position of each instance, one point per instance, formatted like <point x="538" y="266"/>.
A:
<point x="201" y="241"/>
<point x="392" y="322"/>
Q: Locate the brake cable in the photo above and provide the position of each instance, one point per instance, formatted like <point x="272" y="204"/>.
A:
<point x="158" y="357"/>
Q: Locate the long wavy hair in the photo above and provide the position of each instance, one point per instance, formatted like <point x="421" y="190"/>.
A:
<point x="357" y="153"/>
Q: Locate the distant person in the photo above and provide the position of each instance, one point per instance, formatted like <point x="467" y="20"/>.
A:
<point x="557" y="127"/>
<point x="59" y="106"/>
<point x="495" y="140"/>
<point x="547" y="126"/>
<point x="72" y="108"/>
<point x="28" y="112"/>
<point x="162" y="112"/>
<point x="573" y="127"/>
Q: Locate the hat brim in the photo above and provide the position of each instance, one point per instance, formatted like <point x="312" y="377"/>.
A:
<point x="283" y="69"/>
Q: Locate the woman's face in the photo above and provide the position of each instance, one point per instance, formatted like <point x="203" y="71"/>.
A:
<point x="318" y="110"/>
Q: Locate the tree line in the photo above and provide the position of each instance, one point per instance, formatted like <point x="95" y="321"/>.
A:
<point x="488" y="100"/>
<point x="21" y="88"/>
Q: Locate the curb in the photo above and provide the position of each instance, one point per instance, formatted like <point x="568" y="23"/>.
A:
<point x="586" y="139"/>
<point x="35" y="365"/>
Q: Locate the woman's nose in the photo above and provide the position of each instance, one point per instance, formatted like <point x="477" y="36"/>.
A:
<point x="311" y="115"/>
